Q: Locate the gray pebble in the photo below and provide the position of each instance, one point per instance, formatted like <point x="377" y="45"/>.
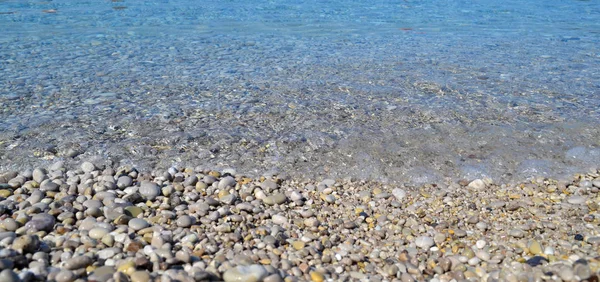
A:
<point x="149" y="190"/>
<point x="124" y="181"/>
<point x="138" y="224"/>
<point x="78" y="262"/>
<point x="8" y="275"/>
<point x="88" y="167"/>
<point x="185" y="221"/>
<point x="242" y="273"/>
<point x="276" y="199"/>
<point x="65" y="276"/>
<point x="576" y="200"/>
<point x="226" y="182"/>
<point x="41" y="222"/>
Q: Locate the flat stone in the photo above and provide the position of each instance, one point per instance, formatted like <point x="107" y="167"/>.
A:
<point x="41" y="222"/>
<point x="138" y="224"/>
<point x="102" y="274"/>
<point x="517" y="233"/>
<point x="98" y="232"/>
<point x="279" y="219"/>
<point x="276" y="199"/>
<point x="576" y="200"/>
<point x="78" y="262"/>
<point x="242" y="273"/>
<point x="424" y="242"/>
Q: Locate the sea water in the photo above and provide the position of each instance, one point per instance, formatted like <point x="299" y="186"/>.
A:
<point x="399" y="91"/>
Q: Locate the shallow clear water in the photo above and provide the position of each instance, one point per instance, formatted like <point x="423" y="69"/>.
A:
<point x="408" y="91"/>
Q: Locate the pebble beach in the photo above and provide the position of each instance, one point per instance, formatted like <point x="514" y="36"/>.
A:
<point x="96" y="223"/>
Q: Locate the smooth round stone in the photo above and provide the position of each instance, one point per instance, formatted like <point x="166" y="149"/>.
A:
<point x="576" y="200"/>
<point x="295" y="196"/>
<point x="477" y="184"/>
<point x="26" y="243"/>
<point x="596" y="183"/>
<point x="424" y="242"/>
<point x="124" y="181"/>
<point x="8" y="275"/>
<point x="65" y="276"/>
<point x="399" y="194"/>
<point x="328" y="182"/>
<point x="269" y="185"/>
<point x="149" y="190"/>
<point x="102" y="274"/>
<point x="226" y="182"/>
<point x="41" y="222"/>
<point x="185" y="221"/>
<point x="140" y="276"/>
<point x="276" y="199"/>
<point x="10" y="224"/>
<point x="39" y="175"/>
<point x="48" y="185"/>
<point x="535" y="247"/>
<point x="242" y="273"/>
<point x="279" y="219"/>
<point x="517" y="233"/>
<point x="78" y="262"/>
<point x="98" y="232"/>
<point x="88" y="167"/>
<point x="138" y="224"/>
<point x="93" y="204"/>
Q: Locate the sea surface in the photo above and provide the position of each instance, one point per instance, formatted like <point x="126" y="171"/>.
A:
<point x="396" y="91"/>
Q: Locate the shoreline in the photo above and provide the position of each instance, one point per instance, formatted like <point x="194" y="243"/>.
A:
<point x="103" y="223"/>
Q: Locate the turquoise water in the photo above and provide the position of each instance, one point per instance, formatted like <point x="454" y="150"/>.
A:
<point x="409" y="91"/>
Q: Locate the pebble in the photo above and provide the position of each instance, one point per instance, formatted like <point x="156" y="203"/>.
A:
<point x="138" y="224"/>
<point x="185" y="221"/>
<point x="140" y="276"/>
<point x="124" y="181"/>
<point x="78" y="262"/>
<point x="26" y="243"/>
<point x="276" y="199"/>
<point x="88" y="167"/>
<point x="399" y="194"/>
<point x="424" y="242"/>
<point x="8" y="275"/>
<point x="149" y="190"/>
<point x="279" y="219"/>
<point x="477" y="184"/>
<point x="98" y="232"/>
<point x="41" y="222"/>
<point x="65" y="276"/>
<point x="226" y="182"/>
<point x="242" y="273"/>
<point x="576" y="200"/>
